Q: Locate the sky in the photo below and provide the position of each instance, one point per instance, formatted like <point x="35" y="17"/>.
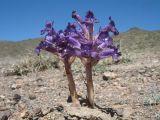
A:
<point x="23" y="19"/>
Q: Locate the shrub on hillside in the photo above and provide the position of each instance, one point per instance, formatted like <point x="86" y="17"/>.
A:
<point x="32" y="63"/>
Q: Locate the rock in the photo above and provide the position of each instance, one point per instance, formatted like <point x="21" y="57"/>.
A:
<point x="15" y="86"/>
<point x="53" y="116"/>
<point x="5" y="115"/>
<point x="148" y="74"/>
<point x="41" y="90"/>
<point x="142" y="71"/>
<point x="157" y="115"/>
<point x="11" y="102"/>
<point x="109" y="75"/>
<point x="2" y="97"/>
<point x="8" y="72"/>
<point x="60" y="108"/>
<point x="17" y="77"/>
<point x="24" y="114"/>
<point x="155" y="61"/>
<point x="115" y="84"/>
<point x="40" y="84"/>
<point x="120" y="111"/>
<point x="152" y="70"/>
<point x="86" y="114"/>
<point x="39" y="79"/>
<point x="3" y="108"/>
<point x="127" y="112"/>
<point x="32" y="96"/>
<point x="38" y="112"/>
<point x="16" y="98"/>
<point x="21" y="105"/>
<point x="47" y="110"/>
<point x="105" y="78"/>
<point x="141" y="92"/>
<point x="157" y="73"/>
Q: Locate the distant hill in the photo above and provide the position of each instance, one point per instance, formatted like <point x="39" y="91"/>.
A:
<point x="134" y="40"/>
<point x="139" y="40"/>
<point x="15" y="49"/>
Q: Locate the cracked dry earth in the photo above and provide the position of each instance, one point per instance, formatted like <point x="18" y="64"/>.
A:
<point x="127" y="91"/>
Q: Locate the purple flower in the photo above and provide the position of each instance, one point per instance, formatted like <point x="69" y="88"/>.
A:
<point x="80" y="43"/>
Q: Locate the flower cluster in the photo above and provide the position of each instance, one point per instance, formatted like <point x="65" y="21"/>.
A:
<point x="80" y="43"/>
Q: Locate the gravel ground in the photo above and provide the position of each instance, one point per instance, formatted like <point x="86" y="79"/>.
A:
<point x="127" y="90"/>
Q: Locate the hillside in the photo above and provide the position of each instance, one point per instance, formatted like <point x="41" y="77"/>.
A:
<point x="138" y="40"/>
<point x="17" y="49"/>
<point x="135" y="40"/>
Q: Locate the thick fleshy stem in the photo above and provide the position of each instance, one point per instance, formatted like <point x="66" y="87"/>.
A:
<point x="90" y="88"/>
<point x="71" y="84"/>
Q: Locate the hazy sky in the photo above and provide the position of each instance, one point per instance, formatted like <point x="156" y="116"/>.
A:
<point x="23" y="19"/>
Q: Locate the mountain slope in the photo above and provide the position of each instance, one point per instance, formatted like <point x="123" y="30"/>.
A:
<point x="134" y="40"/>
<point x="138" y="40"/>
<point x="15" y="49"/>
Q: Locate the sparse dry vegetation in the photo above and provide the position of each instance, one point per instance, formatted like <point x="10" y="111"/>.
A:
<point x="32" y="63"/>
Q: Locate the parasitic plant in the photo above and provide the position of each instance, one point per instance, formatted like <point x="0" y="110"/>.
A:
<point x="71" y="43"/>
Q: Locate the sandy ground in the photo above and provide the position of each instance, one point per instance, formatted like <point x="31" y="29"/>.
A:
<point x="127" y="90"/>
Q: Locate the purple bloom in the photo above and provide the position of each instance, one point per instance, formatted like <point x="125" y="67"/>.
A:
<point x="80" y="43"/>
